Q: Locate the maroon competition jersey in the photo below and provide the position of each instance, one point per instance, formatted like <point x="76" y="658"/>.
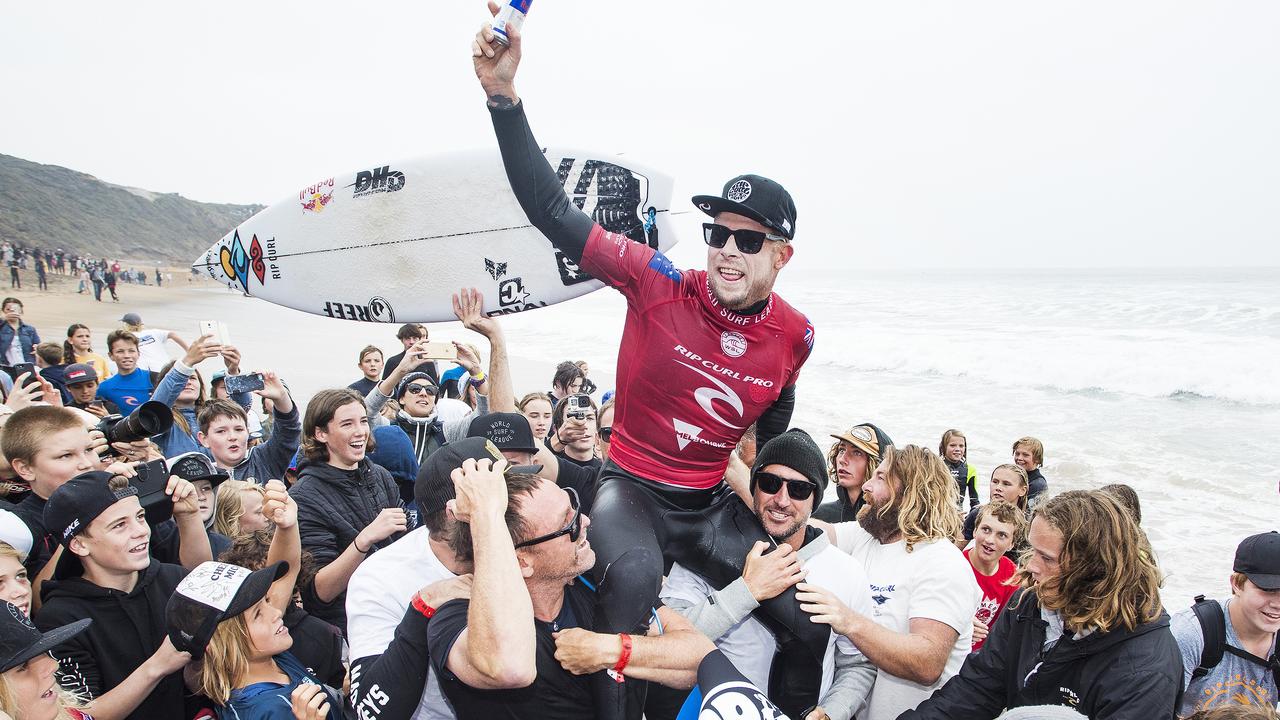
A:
<point x="692" y="374"/>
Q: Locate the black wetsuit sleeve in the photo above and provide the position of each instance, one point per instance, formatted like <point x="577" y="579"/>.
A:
<point x="777" y="417"/>
<point x="393" y="681"/>
<point x="536" y="185"/>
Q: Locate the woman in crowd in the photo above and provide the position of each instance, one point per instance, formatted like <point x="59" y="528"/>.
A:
<point x="15" y="586"/>
<point x="78" y="348"/>
<point x="536" y="408"/>
<point x="1008" y="483"/>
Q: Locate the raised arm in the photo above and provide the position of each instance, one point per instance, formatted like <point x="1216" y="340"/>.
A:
<point x="497" y="648"/>
<point x="286" y="544"/>
<point x="532" y="180"/>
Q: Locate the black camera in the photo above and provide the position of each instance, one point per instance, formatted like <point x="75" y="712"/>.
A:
<point x="153" y="418"/>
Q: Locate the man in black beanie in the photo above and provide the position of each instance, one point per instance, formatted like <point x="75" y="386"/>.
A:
<point x="787" y="481"/>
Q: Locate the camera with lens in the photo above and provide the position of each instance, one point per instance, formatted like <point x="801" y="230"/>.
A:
<point x="153" y="418"/>
<point x="579" y="404"/>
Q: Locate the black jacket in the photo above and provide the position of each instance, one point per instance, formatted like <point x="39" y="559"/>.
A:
<point x="127" y="629"/>
<point x="334" y="505"/>
<point x="839" y="510"/>
<point x="1118" y="675"/>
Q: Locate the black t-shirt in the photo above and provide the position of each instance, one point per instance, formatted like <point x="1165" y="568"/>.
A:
<point x="556" y="694"/>
<point x="363" y="386"/>
<point x="582" y="479"/>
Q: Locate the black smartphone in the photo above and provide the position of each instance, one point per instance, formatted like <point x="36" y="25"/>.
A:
<point x="14" y="371"/>
<point x="243" y="383"/>
<point x="151" y="480"/>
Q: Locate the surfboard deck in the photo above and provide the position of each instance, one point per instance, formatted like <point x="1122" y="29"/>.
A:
<point x="392" y="243"/>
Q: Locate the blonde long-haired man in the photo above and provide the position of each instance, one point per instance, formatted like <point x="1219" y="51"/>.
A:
<point x="922" y="589"/>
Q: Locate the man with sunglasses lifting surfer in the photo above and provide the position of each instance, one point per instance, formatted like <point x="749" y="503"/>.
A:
<point x="704" y="355"/>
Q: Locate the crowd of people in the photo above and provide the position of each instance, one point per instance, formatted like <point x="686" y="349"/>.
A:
<point x="94" y="274"/>
<point x="425" y="542"/>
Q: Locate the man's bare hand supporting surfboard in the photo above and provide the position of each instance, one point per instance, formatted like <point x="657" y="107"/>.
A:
<point x="496" y="63"/>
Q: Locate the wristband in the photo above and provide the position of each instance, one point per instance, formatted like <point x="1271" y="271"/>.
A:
<point x="421" y="606"/>
<point x="624" y="658"/>
<point x="356" y="545"/>
<point x="478" y="380"/>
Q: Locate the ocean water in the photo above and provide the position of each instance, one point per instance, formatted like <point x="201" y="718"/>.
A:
<point x="1165" y="380"/>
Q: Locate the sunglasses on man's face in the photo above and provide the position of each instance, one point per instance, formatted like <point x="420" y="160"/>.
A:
<point x="749" y="241"/>
<point x="606" y="434"/>
<point x="770" y="484"/>
<point x="573" y="529"/>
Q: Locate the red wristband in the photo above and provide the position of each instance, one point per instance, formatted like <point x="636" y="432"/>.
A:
<point x="421" y="606"/>
<point x="625" y="657"/>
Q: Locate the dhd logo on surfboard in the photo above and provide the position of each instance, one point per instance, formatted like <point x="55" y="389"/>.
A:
<point x="378" y="180"/>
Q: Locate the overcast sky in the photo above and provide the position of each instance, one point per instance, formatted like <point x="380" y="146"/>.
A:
<point x="911" y="134"/>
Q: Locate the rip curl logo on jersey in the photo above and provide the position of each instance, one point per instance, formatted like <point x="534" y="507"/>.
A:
<point x="705" y="396"/>
<point x="739" y="191"/>
<point x="733" y="343"/>
<point x="1069" y="697"/>
<point x="738" y="701"/>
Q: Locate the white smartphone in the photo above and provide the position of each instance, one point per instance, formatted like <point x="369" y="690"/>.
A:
<point x="217" y="329"/>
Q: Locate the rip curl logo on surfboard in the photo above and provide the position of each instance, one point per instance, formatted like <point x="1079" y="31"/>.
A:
<point x="237" y="263"/>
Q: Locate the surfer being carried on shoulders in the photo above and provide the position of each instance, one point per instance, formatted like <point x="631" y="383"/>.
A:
<point x="704" y="354"/>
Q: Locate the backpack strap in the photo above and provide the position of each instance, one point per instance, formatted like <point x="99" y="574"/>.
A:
<point x="1213" y="626"/>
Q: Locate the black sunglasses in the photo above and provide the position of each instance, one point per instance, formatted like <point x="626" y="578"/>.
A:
<point x="573" y="529"/>
<point x="419" y="389"/>
<point x="797" y="489"/>
<point x="606" y="434"/>
<point x="749" y="241"/>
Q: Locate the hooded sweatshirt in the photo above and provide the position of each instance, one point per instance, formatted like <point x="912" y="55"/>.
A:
<point x="842" y="509"/>
<point x="127" y="629"/>
<point x="1116" y="675"/>
<point x="334" y="505"/>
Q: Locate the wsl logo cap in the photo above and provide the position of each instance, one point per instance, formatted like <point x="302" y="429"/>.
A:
<point x="756" y="197"/>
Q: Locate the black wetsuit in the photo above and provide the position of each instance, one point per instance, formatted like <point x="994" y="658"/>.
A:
<point x="642" y="524"/>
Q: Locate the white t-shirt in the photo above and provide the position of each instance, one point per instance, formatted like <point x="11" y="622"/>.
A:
<point x="13" y="354"/>
<point x="749" y="645"/>
<point x="378" y="596"/>
<point x="933" y="581"/>
<point x="152" y="355"/>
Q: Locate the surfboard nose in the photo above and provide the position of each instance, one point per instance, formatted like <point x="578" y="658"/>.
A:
<point x="210" y="264"/>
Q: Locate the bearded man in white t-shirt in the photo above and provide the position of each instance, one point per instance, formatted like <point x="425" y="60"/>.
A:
<point x="923" y="592"/>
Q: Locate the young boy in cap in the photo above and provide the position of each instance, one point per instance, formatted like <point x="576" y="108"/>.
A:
<point x="27" y="685"/>
<point x="82" y="384"/>
<point x="1250" y="618"/>
<point x="125" y="662"/>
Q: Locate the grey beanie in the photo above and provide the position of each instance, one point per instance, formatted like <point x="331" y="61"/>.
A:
<point x="796" y="450"/>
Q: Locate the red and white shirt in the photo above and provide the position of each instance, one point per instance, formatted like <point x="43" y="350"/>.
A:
<point x="692" y="374"/>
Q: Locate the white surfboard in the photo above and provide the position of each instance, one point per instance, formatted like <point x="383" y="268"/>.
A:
<point x="392" y="243"/>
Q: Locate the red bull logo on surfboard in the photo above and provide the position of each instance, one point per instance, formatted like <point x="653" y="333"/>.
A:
<point x="315" y="198"/>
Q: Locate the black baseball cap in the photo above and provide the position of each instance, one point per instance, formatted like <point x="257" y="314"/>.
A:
<point x="756" y="197"/>
<point x="434" y="487"/>
<point x="1258" y="557"/>
<point x="79" y="373"/>
<point x="193" y="466"/>
<point x="79" y="501"/>
<point x="509" y="431"/>
<point x="72" y="507"/>
<point x="211" y="593"/>
<point x="20" y="641"/>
